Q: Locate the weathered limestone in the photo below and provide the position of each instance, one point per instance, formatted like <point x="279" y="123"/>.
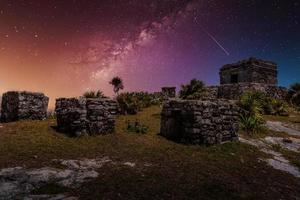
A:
<point x="248" y="75"/>
<point x="81" y="115"/>
<point x="200" y="122"/>
<point x="249" y="71"/>
<point x="169" y="92"/>
<point x="23" y="105"/>
<point x="235" y="91"/>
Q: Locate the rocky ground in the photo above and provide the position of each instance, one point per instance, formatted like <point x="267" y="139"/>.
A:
<point x="274" y="145"/>
<point x="19" y="182"/>
<point x="36" y="162"/>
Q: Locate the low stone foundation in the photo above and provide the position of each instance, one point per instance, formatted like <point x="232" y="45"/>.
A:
<point x="235" y="91"/>
<point x="23" y="105"/>
<point x="200" y="122"/>
<point x="80" y="115"/>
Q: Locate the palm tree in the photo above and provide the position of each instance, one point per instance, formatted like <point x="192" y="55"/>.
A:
<point x="194" y="90"/>
<point x="294" y="94"/>
<point x="117" y="82"/>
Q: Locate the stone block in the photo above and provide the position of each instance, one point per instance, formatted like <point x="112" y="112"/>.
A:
<point x="17" y="105"/>
<point x="81" y="115"/>
<point x="189" y="121"/>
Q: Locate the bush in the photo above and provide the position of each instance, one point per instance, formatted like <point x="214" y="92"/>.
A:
<point x="94" y="94"/>
<point x="128" y="103"/>
<point x="136" y="127"/>
<point x="294" y="94"/>
<point x="275" y="107"/>
<point x="194" y="90"/>
<point x="133" y="102"/>
<point x="251" y="104"/>
<point x="251" y="124"/>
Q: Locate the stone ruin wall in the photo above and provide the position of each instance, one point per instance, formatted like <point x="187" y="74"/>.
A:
<point x="168" y="92"/>
<point x="250" y="71"/>
<point x="235" y="91"/>
<point x="78" y="116"/>
<point x="200" y="122"/>
<point x="23" y="105"/>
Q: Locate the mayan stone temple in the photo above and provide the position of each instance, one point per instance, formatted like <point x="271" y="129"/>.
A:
<point x="23" y="105"/>
<point x="93" y="116"/>
<point x="250" y="74"/>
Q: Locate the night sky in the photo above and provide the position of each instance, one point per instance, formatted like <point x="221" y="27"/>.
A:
<point x="65" y="47"/>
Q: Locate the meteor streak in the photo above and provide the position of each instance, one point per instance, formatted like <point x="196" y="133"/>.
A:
<point x="216" y="41"/>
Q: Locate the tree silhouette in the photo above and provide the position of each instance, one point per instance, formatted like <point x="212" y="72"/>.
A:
<point x="117" y="82"/>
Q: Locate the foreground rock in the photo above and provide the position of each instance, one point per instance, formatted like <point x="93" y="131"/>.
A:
<point x="19" y="182"/>
<point x="23" y="105"/>
<point x="81" y="115"/>
<point x="200" y="122"/>
<point x="279" y="127"/>
<point x="277" y="160"/>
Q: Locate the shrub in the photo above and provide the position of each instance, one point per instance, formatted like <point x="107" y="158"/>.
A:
<point x="276" y="107"/>
<point x="132" y="102"/>
<point x="194" y="90"/>
<point x="137" y="127"/>
<point x="94" y="94"/>
<point x="128" y="103"/>
<point x="294" y="94"/>
<point x="251" y="104"/>
<point x="251" y="124"/>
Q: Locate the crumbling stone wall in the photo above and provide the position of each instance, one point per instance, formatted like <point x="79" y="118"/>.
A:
<point x="23" y="105"/>
<point x="211" y="92"/>
<point x="235" y="91"/>
<point x="82" y="115"/>
<point x="200" y="122"/>
<point x="169" y="92"/>
<point x="249" y="71"/>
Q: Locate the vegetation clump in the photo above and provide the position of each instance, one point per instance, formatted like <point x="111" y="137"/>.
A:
<point x="251" y="104"/>
<point x="94" y="94"/>
<point x="133" y="102"/>
<point x="194" y="90"/>
<point x="254" y="105"/>
<point x="294" y="95"/>
<point x="272" y="106"/>
<point x="137" y="127"/>
<point x="117" y="83"/>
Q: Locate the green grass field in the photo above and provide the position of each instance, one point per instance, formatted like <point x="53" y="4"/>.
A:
<point x="177" y="171"/>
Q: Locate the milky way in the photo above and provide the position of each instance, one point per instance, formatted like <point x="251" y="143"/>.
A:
<point x="66" y="47"/>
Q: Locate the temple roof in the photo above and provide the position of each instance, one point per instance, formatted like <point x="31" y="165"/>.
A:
<point x="251" y="62"/>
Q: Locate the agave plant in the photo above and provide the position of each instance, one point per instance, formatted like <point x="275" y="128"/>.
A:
<point x="251" y="124"/>
<point x="194" y="90"/>
<point x="251" y="104"/>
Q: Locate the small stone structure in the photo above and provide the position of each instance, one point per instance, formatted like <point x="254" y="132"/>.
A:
<point x="23" y="105"/>
<point x="84" y="115"/>
<point x="249" y="71"/>
<point x="169" y="92"/>
<point x="200" y="122"/>
<point x="247" y="75"/>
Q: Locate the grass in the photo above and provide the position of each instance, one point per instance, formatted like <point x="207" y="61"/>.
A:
<point x="228" y="171"/>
